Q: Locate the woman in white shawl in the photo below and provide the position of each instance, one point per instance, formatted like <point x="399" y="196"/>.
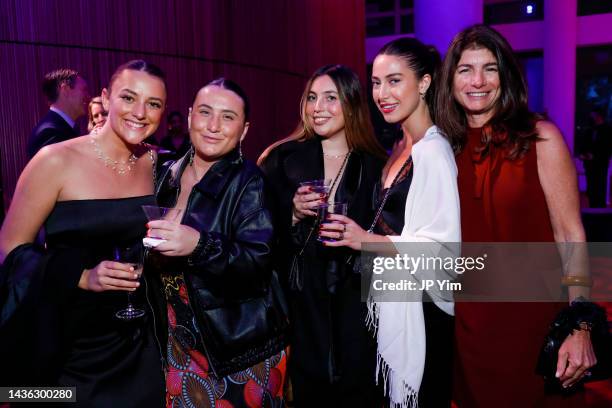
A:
<point x="418" y="211"/>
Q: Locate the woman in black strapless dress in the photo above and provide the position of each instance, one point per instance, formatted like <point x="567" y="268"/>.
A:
<point x="58" y="325"/>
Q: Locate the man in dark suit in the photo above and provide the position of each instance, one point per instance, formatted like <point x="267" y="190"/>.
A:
<point x="68" y="96"/>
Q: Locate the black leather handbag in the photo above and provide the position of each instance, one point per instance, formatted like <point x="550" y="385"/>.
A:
<point x="568" y="320"/>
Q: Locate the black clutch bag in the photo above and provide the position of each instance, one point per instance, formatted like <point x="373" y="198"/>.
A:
<point x="568" y="320"/>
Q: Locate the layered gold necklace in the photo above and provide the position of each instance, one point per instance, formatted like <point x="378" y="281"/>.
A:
<point x="120" y="167"/>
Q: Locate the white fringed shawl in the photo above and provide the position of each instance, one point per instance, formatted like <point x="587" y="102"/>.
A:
<point x="431" y="215"/>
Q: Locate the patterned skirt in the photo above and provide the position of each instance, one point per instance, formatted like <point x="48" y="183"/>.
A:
<point x="191" y="383"/>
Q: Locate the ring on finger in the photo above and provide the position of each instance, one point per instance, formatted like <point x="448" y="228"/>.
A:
<point x="341" y="236"/>
<point x="343" y="227"/>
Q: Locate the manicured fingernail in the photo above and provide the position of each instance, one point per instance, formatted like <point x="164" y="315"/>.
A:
<point x="135" y="276"/>
<point x="137" y="283"/>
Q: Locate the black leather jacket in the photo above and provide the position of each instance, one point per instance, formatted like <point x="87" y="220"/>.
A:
<point x="229" y="276"/>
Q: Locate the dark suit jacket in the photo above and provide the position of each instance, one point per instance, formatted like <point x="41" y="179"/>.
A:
<point x="52" y="128"/>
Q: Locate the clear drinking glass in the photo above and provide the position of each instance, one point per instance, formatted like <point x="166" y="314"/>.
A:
<point x="133" y="256"/>
<point x="153" y="213"/>
<point x="318" y="186"/>
<point x="324" y="210"/>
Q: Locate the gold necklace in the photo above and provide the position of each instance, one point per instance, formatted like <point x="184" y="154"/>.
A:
<point x="120" y="167"/>
<point x="335" y="156"/>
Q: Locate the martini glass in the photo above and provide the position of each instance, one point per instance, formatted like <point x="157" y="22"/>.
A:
<point x="153" y="213"/>
<point x="132" y="256"/>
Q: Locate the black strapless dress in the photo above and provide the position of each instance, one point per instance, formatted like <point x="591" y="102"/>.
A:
<point x="111" y="362"/>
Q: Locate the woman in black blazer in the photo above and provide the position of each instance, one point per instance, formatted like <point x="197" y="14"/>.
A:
<point x="332" y="354"/>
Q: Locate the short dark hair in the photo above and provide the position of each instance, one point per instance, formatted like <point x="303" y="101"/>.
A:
<point x="138" y="65"/>
<point x="53" y="81"/>
<point x="235" y="88"/>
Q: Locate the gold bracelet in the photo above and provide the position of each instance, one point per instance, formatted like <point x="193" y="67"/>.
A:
<point x="576" y="281"/>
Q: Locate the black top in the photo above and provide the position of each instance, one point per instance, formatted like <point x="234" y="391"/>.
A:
<point x="95" y="227"/>
<point x="391" y="220"/>
<point x="71" y="337"/>
<point x="110" y="361"/>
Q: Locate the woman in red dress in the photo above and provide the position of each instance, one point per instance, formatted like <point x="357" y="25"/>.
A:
<point x="517" y="183"/>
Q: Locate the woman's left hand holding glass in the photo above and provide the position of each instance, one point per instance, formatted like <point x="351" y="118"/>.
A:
<point x="180" y="240"/>
<point x="344" y="230"/>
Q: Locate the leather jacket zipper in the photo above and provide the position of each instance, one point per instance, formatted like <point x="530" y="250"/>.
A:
<point x="190" y="292"/>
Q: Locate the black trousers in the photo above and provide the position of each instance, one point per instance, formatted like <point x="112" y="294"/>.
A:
<point x="436" y="386"/>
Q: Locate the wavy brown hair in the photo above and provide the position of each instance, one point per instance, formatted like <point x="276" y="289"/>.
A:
<point x="357" y="125"/>
<point x="512" y="124"/>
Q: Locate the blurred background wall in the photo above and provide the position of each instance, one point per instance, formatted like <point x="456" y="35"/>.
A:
<point x="270" y="47"/>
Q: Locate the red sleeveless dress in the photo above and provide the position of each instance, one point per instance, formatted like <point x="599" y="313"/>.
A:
<point x="497" y="344"/>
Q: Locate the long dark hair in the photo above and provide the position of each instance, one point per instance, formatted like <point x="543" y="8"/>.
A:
<point x="421" y="59"/>
<point x="357" y="125"/>
<point x="512" y="121"/>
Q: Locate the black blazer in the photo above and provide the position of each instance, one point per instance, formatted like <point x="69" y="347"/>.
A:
<point x="328" y="335"/>
<point x="52" y="128"/>
<point x="293" y="162"/>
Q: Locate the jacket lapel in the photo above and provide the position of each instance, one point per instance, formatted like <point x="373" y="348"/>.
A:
<point x="305" y="162"/>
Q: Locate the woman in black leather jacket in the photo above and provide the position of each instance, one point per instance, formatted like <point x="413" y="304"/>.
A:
<point x="225" y="329"/>
<point x="333" y="357"/>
